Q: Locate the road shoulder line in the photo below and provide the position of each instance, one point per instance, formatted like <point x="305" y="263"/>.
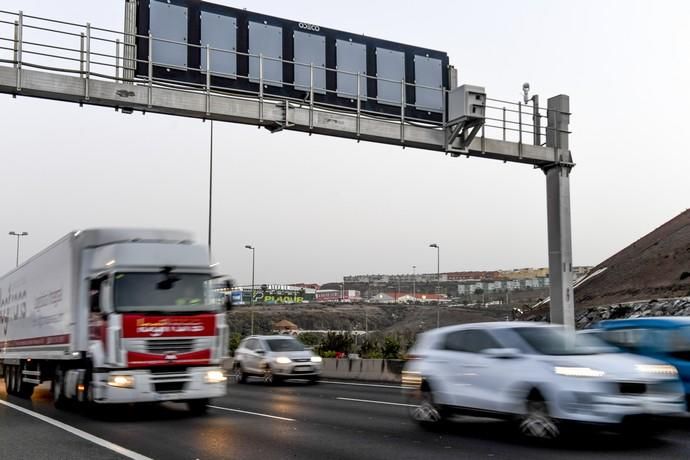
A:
<point x="77" y="432"/>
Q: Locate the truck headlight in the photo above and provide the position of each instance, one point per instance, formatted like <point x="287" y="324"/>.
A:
<point x="316" y="359"/>
<point x="659" y="369"/>
<point x="578" y="371"/>
<point x="283" y="360"/>
<point x="215" y="377"/>
<point x="121" y="381"/>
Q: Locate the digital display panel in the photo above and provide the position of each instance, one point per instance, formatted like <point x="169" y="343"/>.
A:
<point x="294" y="55"/>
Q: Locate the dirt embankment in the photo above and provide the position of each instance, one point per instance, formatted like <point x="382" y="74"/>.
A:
<point x="359" y="317"/>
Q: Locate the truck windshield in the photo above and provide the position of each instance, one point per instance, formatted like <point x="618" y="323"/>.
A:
<point x="141" y="292"/>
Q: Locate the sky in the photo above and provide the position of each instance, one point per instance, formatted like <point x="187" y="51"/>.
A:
<point x="318" y="208"/>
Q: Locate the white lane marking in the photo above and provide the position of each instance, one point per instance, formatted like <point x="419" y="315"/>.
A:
<point x="77" y="432"/>
<point x="253" y="413"/>
<point x="377" y="402"/>
<point x="375" y="385"/>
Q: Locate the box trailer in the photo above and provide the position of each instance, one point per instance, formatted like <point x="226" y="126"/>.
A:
<point x="115" y="316"/>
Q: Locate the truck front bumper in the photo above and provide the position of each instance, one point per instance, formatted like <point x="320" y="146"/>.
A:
<point x="142" y="385"/>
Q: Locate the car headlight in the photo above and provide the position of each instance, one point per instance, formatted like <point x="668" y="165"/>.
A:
<point x="215" y="377"/>
<point x="659" y="369"/>
<point x="283" y="360"/>
<point x="578" y="371"/>
<point x="121" y="381"/>
<point x="316" y="359"/>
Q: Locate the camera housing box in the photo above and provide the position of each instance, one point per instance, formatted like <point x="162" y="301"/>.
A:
<point x="466" y="102"/>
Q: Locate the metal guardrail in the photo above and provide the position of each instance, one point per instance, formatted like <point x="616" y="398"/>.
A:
<point x="28" y="41"/>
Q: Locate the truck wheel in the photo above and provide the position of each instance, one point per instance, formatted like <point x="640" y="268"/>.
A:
<point x="198" y="406"/>
<point x="59" y="399"/>
<point x="9" y="379"/>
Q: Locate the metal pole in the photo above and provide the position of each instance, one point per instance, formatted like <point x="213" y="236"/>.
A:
<point x="208" y="82"/>
<point x="414" y="286"/>
<point x="402" y="111"/>
<point x="261" y="88"/>
<point x="562" y="302"/>
<point x="536" y="120"/>
<point x="117" y="60"/>
<point x="438" y="286"/>
<point x="20" y="33"/>
<point x="359" y="104"/>
<point x="18" y="235"/>
<point x="150" y="71"/>
<point x="520" y="129"/>
<point x="87" y="68"/>
<point x="504" y="123"/>
<point x="311" y="96"/>
<point x="210" y="189"/>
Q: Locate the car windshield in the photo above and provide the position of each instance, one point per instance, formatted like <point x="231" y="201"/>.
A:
<point x="160" y="292"/>
<point x="557" y="341"/>
<point x="285" y="345"/>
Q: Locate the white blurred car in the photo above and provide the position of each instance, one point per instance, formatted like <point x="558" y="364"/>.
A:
<point x="539" y="374"/>
<point x="274" y="358"/>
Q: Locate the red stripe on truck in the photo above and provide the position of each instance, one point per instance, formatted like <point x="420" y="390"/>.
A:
<point x="34" y="341"/>
<point x="146" y="326"/>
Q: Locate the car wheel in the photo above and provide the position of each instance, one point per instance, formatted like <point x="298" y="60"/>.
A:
<point x="268" y="376"/>
<point x="238" y="373"/>
<point x="426" y="412"/>
<point x="537" y="422"/>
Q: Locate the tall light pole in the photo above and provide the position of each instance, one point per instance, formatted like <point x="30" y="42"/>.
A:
<point x="414" y="286"/>
<point x="251" y="301"/>
<point x="18" y="235"/>
<point x="438" y="282"/>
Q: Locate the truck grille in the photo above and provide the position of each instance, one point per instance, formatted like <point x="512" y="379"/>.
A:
<point x="170" y="346"/>
<point x="166" y="346"/>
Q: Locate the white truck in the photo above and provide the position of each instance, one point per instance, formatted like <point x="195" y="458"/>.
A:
<point x="115" y="316"/>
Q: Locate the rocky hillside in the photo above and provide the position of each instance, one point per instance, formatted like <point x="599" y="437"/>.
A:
<point x="587" y="317"/>
<point x="653" y="267"/>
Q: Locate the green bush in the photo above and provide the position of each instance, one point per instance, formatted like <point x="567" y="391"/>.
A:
<point x="310" y="339"/>
<point x="368" y="348"/>
<point x="234" y="342"/>
<point x="391" y="348"/>
<point x="327" y="354"/>
<point x="341" y="343"/>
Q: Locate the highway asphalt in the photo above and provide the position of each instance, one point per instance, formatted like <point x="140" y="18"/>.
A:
<point x="290" y="421"/>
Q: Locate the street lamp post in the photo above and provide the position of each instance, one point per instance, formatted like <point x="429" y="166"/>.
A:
<point x="414" y="286"/>
<point x="438" y="282"/>
<point x="251" y="301"/>
<point x="18" y="235"/>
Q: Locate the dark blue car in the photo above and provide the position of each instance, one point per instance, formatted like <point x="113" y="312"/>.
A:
<point x="664" y="338"/>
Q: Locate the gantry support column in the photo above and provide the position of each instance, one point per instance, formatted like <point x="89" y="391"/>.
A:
<point x="558" y="213"/>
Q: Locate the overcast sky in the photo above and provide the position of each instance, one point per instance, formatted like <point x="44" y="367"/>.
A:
<point x="318" y="208"/>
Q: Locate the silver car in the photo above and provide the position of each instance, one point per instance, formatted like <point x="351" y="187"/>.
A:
<point x="544" y="376"/>
<point x="275" y="358"/>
